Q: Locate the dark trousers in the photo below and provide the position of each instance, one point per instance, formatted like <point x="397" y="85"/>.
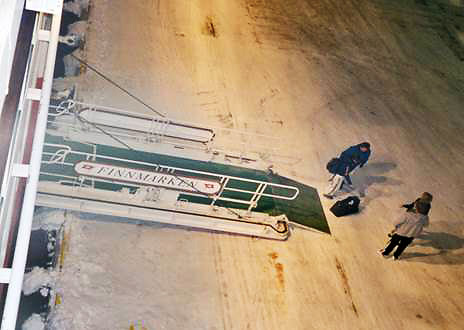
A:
<point x="397" y="240"/>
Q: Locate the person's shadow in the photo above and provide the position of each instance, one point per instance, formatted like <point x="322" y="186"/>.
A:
<point x="445" y="249"/>
<point x="371" y="174"/>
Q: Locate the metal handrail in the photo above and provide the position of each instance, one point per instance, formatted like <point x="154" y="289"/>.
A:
<point x="70" y="106"/>
<point x="165" y="166"/>
<point x="255" y="194"/>
<point x="42" y="67"/>
<point x="74" y="103"/>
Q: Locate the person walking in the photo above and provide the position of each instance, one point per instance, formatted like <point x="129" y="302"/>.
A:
<point x="409" y="226"/>
<point x="361" y="151"/>
<point x="340" y="175"/>
<point x="353" y="157"/>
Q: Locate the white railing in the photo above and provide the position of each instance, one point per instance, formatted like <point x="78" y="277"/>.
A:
<point x="121" y="124"/>
<point x="10" y="18"/>
<point x="62" y="151"/>
<point x="35" y="99"/>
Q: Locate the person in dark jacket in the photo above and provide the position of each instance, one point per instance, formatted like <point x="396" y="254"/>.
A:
<point x="341" y="175"/>
<point x="362" y="151"/>
<point x="426" y="198"/>
<point x="408" y="227"/>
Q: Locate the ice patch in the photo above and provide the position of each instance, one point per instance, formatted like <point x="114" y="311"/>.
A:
<point x="76" y="7"/>
<point x="44" y="292"/>
<point x="62" y="84"/>
<point x="48" y="220"/>
<point x="76" y="34"/>
<point x="72" y="67"/>
<point x="37" y="279"/>
<point x="70" y="40"/>
<point x="34" y="322"/>
<point x="78" y="29"/>
<point x="57" y="321"/>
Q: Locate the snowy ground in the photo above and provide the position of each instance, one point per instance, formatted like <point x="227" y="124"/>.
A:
<point x="321" y="75"/>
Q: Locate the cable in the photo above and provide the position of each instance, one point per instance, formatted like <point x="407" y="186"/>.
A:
<point x="156" y="165"/>
<point x="117" y="85"/>
<point x="103" y="131"/>
<point x="149" y="107"/>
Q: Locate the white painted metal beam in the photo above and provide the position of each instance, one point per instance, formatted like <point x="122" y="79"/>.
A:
<point x="5" y="275"/>
<point x="45" y="6"/>
<point x="20" y="170"/>
<point x="172" y="217"/>
<point x="34" y="94"/>
<point x="13" y="297"/>
<point x="43" y="35"/>
<point x="10" y="18"/>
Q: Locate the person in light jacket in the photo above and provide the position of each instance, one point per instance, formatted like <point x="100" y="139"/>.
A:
<point x="426" y="198"/>
<point x="409" y="226"/>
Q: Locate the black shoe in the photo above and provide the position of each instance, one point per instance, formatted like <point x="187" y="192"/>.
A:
<point x="327" y="196"/>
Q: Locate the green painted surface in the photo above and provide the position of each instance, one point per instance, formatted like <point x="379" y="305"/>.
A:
<point x="306" y="209"/>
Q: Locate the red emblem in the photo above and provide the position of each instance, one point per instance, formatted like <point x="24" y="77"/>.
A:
<point x="209" y="185"/>
<point x="87" y="167"/>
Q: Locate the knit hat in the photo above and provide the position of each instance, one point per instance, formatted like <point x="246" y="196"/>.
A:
<point x="426" y="197"/>
<point x="366" y="145"/>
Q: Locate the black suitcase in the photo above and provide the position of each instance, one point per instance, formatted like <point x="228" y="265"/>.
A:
<point x="346" y="206"/>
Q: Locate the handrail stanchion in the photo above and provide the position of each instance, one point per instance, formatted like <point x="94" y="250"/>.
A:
<point x="13" y="297"/>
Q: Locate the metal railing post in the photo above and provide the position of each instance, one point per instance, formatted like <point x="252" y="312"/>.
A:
<point x="13" y="297"/>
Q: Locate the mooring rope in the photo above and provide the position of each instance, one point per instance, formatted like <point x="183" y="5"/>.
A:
<point x="103" y="131"/>
<point x="117" y="85"/>
<point x="238" y="215"/>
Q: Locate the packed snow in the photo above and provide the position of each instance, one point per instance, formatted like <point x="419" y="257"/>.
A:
<point x="37" y="279"/>
<point x="48" y="220"/>
<point x="123" y="284"/>
<point x="77" y="7"/>
<point x="321" y="76"/>
<point x="34" y="322"/>
<point x="71" y="65"/>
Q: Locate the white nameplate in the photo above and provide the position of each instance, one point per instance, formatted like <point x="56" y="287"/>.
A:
<point x="147" y="178"/>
